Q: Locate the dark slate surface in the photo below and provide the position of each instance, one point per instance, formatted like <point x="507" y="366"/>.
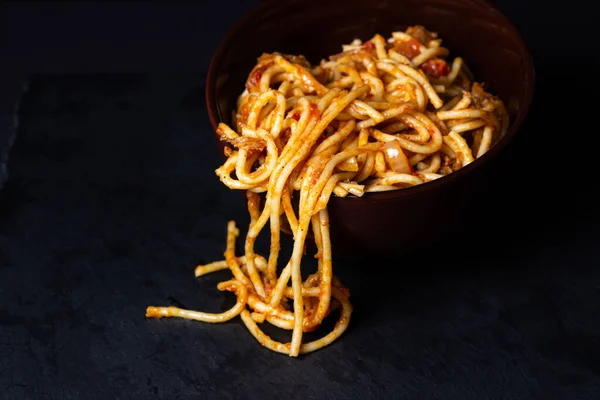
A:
<point x="112" y="201"/>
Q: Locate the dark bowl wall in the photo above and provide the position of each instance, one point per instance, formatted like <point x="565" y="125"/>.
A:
<point x="472" y="29"/>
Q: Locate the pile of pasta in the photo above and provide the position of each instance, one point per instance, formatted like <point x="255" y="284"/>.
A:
<point x="381" y="115"/>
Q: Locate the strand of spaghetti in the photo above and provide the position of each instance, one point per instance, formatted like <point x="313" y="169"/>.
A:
<point x="266" y="97"/>
<point x="405" y="37"/>
<point x="253" y="207"/>
<point x="387" y="114"/>
<point x="306" y="292"/>
<point x="422" y="79"/>
<point x="280" y="323"/>
<point x="310" y="179"/>
<point x="326" y="100"/>
<point x="251" y="156"/>
<point x="283" y="88"/>
<point x="417" y="158"/>
<point x="286" y="201"/>
<point x="420" y="96"/>
<point x="318" y="186"/>
<point x="348" y="165"/>
<point x="312" y="280"/>
<point x="460" y="147"/>
<point x="340" y="326"/>
<point x="379" y="188"/>
<point x="380" y="105"/>
<point x="264" y="171"/>
<point x="467" y="113"/>
<point x="367" y="169"/>
<point x="428" y="54"/>
<point x="354" y="188"/>
<point x="434" y="144"/>
<point x="457" y="65"/>
<point x="265" y="117"/>
<point x="230" y="259"/>
<point x="363" y="108"/>
<point x="380" y="165"/>
<point x="250" y="260"/>
<point x="398" y="178"/>
<point x="345" y="129"/>
<point x="267" y="77"/>
<point x="282" y="282"/>
<point x="259" y="262"/>
<point x="314" y="161"/>
<point x="201" y="270"/>
<point x="232" y="285"/>
<point x="225" y="132"/>
<point x="398" y="70"/>
<point x="429" y="176"/>
<point x="424" y="134"/>
<point x="350" y="72"/>
<point x="257" y="317"/>
<point x="434" y="164"/>
<point x="450" y="103"/>
<point x="420" y="125"/>
<point x="350" y="142"/>
<point x="262" y="338"/>
<point x="328" y="189"/>
<point x="342" y="83"/>
<point x="403" y="82"/>
<point x="468" y="126"/>
<point x="486" y="141"/>
<point x="271" y="344"/>
<point x="224" y="174"/>
<point x="326" y="269"/>
<point x="379" y="43"/>
<point x="400" y="58"/>
<point x="454" y="90"/>
<point x="370" y="66"/>
<point x="318" y="239"/>
<point x="394" y="127"/>
<point x="375" y="83"/>
<point x="258" y="305"/>
<point x="464" y="102"/>
<point x="354" y="113"/>
<point x="295" y="272"/>
<point x="308" y="81"/>
<point x="447" y="151"/>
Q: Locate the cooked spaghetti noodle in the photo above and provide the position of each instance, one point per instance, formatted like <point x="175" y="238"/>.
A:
<point x="381" y="115"/>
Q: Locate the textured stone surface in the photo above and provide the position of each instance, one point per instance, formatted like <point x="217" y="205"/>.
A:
<point x="112" y="201"/>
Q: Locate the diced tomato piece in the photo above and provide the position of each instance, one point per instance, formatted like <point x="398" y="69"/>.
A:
<point x="435" y="67"/>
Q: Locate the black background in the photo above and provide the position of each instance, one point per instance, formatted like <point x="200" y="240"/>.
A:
<point x="111" y="201"/>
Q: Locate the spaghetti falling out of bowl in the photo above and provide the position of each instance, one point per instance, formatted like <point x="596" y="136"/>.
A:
<point x="379" y="116"/>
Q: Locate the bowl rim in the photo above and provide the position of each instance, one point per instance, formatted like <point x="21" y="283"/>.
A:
<point x="479" y="163"/>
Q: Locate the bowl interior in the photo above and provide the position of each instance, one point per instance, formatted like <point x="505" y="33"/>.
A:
<point x="471" y="29"/>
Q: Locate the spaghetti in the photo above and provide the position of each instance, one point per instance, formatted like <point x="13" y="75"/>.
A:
<point x="382" y="115"/>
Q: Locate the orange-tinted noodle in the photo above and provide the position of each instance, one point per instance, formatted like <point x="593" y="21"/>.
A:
<point x="382" y="115"/>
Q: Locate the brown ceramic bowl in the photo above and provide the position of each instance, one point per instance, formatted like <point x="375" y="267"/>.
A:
<point x="406" y="219"/>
